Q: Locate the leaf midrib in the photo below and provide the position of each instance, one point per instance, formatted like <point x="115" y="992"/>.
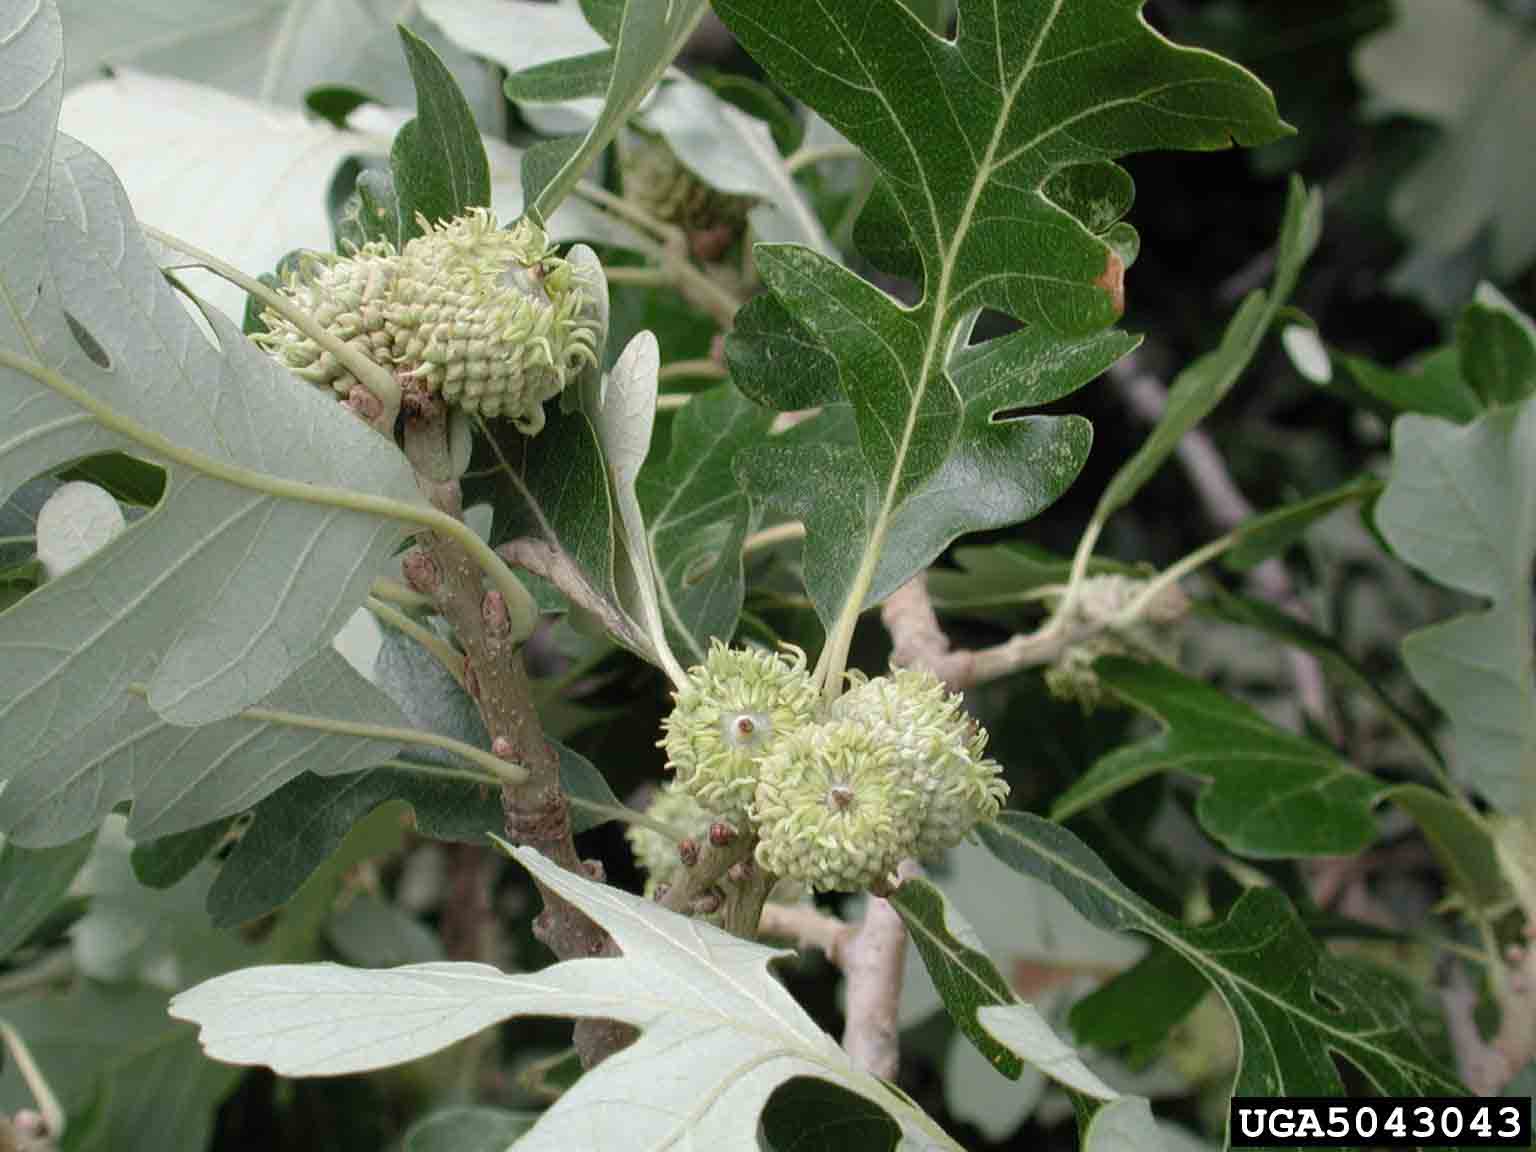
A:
<point x="949" y="253"/>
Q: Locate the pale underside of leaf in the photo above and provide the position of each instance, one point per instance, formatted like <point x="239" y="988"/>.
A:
<point x="720" y="1033"/>
<point x="623" y="411"/>
<point x="168" y="141"/>
<point x="1461" y="506"/>
<point x="274" y="51"/>
<point x="181" y="778"/>
<point x="279" y="508"/>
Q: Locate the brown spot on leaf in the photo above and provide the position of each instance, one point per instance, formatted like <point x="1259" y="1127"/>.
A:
<point x="1112" y="280"/>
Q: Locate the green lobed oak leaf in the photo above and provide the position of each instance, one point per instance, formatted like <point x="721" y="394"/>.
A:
<point x="1461" y="506"/>
<point x="554" y="513"/>
<point x="1139" y="1009"/>
<point x="1027" y="90"/>
<point x="1268" y="793"/>
<point x="697" y="517"/>
<point x="439" y="164"/>
<point x="967" y="136"/>
<point x="775" y="360"/>
<point x="1002" y="468"/>
<point x="719" y="1033"/>
<point x="1297" y="1007"/>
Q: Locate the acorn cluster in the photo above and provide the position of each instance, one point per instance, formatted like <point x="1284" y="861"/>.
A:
<point x="838" y="794"/>
<point x="491" y="319"/>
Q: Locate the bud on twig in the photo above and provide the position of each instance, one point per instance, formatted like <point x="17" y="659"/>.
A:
<point x="420" y="571"/>
<point x="721" y="833"/>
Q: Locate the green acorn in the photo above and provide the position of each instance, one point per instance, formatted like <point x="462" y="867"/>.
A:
<point x="938" y="750"/>
<point x="658" y="854"/>
<point x="490" y="319"/>
<point x="657" y="181"/>
<point x="734" y="708"/>
<point x="833" y="808"/>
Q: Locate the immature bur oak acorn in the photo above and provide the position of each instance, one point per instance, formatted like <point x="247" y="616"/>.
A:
<point x="940" y="752"/>
<point x="490" y="319"/>
<point x="657" y="181"/>
<point x="735" y="705"/>
<point x="838" y="795"/>
<point x="660" y="855"/>
<point x="832" y="809"/>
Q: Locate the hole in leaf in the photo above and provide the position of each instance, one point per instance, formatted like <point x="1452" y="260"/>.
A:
<point x="94" y="352"/>
<point x="130" y="480"/>
<point x="810" y="1115"/>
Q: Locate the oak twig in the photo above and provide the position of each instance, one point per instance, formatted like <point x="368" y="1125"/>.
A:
<point x="535" y="810"/>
